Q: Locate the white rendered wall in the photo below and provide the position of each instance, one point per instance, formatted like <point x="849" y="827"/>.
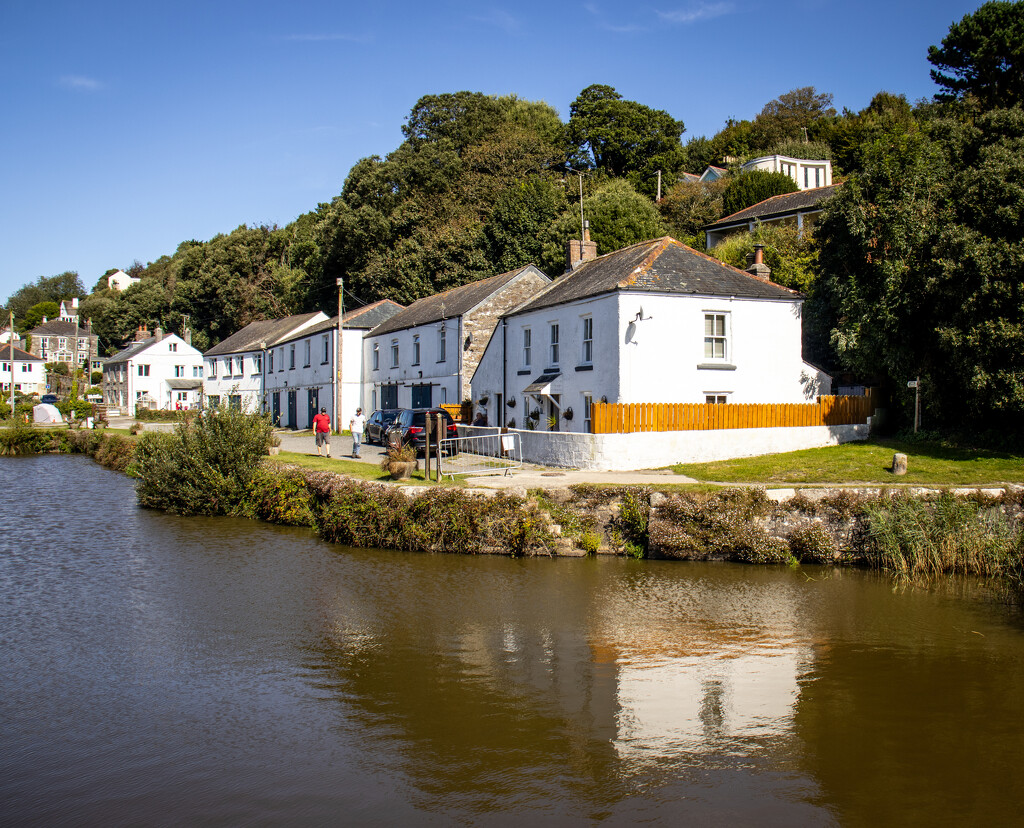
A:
<point x="248" y="384"/>
<point x="652" y="450"/>
<point x="441" y="375"/>
<point x="162" y="360"/>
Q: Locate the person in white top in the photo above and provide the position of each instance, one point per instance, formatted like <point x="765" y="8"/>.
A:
<point x="355" y="425"/>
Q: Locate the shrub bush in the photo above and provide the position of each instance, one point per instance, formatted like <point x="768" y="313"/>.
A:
<point x="279" y="495"/>
<point x="812" y="544"/>
<point x="205" y="466"/>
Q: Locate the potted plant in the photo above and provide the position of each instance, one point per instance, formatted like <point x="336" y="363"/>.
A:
<point x="399" y="462"/>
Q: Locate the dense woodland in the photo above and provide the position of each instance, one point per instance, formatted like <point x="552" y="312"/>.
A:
<point x="916" y="268"/>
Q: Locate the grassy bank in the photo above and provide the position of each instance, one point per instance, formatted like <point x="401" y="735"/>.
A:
<point x="931" y="464"/>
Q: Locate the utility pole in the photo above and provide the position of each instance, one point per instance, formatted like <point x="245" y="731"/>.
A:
<point x="338" y="377"/>
<point x="10" y="346"/>
<point x="659" y="185"/>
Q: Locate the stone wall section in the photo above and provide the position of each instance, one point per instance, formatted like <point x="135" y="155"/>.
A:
<point x="479" y="324"/>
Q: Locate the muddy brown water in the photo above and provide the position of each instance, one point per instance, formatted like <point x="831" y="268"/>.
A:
<point x="168" y="671"/>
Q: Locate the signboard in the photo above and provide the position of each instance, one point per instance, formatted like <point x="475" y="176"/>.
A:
<point x="912" y="384"/>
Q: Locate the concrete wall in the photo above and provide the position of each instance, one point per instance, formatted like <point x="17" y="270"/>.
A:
<point x="650" y="450"/>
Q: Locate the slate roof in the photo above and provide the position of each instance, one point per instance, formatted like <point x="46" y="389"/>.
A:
<point x="55" y="327"/>
<point x="127" y="353"/>
<point x="658" y="266"/>
<point x="265" y="330"/>
<point x="451" y="303"/>
<point x="364" y="319"/>
<point x="789" y="203"/>
<point x="19" y="355"/>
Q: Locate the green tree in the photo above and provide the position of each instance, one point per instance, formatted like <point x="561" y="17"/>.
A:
<point x="784" y="118"/>
<point x="983" y="57"/>
<point x="521" y="214"/>
<point x="46" y="289"/>
<point x="792" y="257"/>
<point x="624" y="138"/>
<point x="34" y="316"/>
<point x="689" y="206"/>
<point x="619" y="216"/>
<point x="753" y="187"/>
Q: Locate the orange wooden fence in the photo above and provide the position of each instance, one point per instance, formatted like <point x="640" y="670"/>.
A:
<point x="460" y="413"/>
<point x="625" y="418"/>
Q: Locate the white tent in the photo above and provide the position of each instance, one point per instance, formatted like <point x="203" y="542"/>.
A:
<point x="46" y="413"/>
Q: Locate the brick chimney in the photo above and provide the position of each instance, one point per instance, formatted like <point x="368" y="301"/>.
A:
<point x="759" y="269"/>
<point x="577" y="252"/>
<point x="141" y="335"/>
<point x="158" y="333"/>
<point x="188" y="336"/>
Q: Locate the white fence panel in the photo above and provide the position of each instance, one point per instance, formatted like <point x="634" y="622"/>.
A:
<point x="481" y="454"/>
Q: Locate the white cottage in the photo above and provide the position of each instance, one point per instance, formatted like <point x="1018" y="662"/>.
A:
<point x="159" y="372"/>
<point x="24" y="370"/>
<point x="234" y="366"/>
<point x="301" y="377"/>
<point x="657" y="322"/>
<point x="427" y="355"/>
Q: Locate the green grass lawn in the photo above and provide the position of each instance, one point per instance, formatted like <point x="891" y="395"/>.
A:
<point x="930" y="464"/>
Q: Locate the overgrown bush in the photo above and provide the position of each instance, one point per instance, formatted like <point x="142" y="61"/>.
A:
<point x="812" y="544"/>
<point x="116" y="452"/>
<point x="205" y="466"/>
<point x="23" y="439"/>
<point x="279" y="495"/>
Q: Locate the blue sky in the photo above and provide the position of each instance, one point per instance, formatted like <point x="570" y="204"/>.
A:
<point x="132" y="126"/>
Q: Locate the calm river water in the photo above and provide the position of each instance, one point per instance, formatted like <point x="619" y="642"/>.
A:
<point x="167" y="671"/>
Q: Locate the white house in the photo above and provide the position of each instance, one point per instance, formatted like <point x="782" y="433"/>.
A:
<point x="657" y="322"/>
<point x="301" y="377"/>
<point x="234" y="366"/>
<point x="807" y="174"/>
<point x="25" y="371"/>
<point x="427" y="354"/>
<point x="158" y="371"/>
<point x="119" y="280"/>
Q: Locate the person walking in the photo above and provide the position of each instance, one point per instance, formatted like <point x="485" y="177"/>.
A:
<point x="355" y="425"/>
<point x="322" y="431"/>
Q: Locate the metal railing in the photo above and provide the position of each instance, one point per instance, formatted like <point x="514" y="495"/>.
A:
<point x="480" y="454"/>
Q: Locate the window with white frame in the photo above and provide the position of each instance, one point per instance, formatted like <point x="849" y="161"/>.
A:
<point x="376" y="356"/>
<point x="588" y="409"/>
<point x="179" y="370"/>
<point x="716" y="336"/>
<point x="143" y="370"/>
<point x="394" y="353"/>
<point x="291" y="357"/>
<point x="307" y="353"/>
<point x="270" y="362"/>
<point x="326" y="341"/>
<point x="527" y="347"/>
<point x="257" y="363"/>
<point x="587" y="354"/>
<point x="442" y="344"/>
<point x="213" y="369"/>
<point x="239" y="365"/>
<point x="280" y="364"/>
<point x="416" y="349"/>
<point x="62" y="343"/>
<point x="716" y="398"/>
<point x="553" y="350"/>
<point x="197" y="371"/>
<point x="171" y="346"/>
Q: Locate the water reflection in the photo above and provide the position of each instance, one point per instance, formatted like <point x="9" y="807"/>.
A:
<point x="280" y="680"/>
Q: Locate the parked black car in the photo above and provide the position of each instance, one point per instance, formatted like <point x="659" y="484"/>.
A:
<point x="50" y="399"/>
<point x="378" y="423"/>
<point x="409" y="427"/>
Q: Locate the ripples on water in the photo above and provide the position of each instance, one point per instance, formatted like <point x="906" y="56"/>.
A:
<point x="161" y="671"/>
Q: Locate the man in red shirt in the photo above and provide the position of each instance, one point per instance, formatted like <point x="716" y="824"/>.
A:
<point x="322" y="430"/>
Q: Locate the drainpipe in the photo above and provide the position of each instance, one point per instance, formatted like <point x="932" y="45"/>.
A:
<point x="504" y="374"/>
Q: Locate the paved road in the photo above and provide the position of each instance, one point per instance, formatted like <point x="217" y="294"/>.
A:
<point x="530" y="476"/>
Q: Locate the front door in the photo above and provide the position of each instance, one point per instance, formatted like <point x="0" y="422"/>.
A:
<point x="292" y="411"/>
<point x="277" y="408"/>
<point x="389" y="396"/>
<point x="313" y="405"/>
<point x="421" y="396"/>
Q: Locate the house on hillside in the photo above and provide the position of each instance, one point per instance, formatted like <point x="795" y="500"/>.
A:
<point x="301" y="375"/>
<point x="156" y="371"/>
<point x="427" y="354"/>
<point x="234" y="366"/>
<point x="119" y="280"/>
<point x="24" y="370"/>
<point x="799" y="209"/>
<point x="55" y="340"/>
<point x="651" y="323"/>
<point x="806" y="174"/>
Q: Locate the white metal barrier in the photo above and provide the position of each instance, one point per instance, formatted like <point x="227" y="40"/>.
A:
<point x="492" y="453"/>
